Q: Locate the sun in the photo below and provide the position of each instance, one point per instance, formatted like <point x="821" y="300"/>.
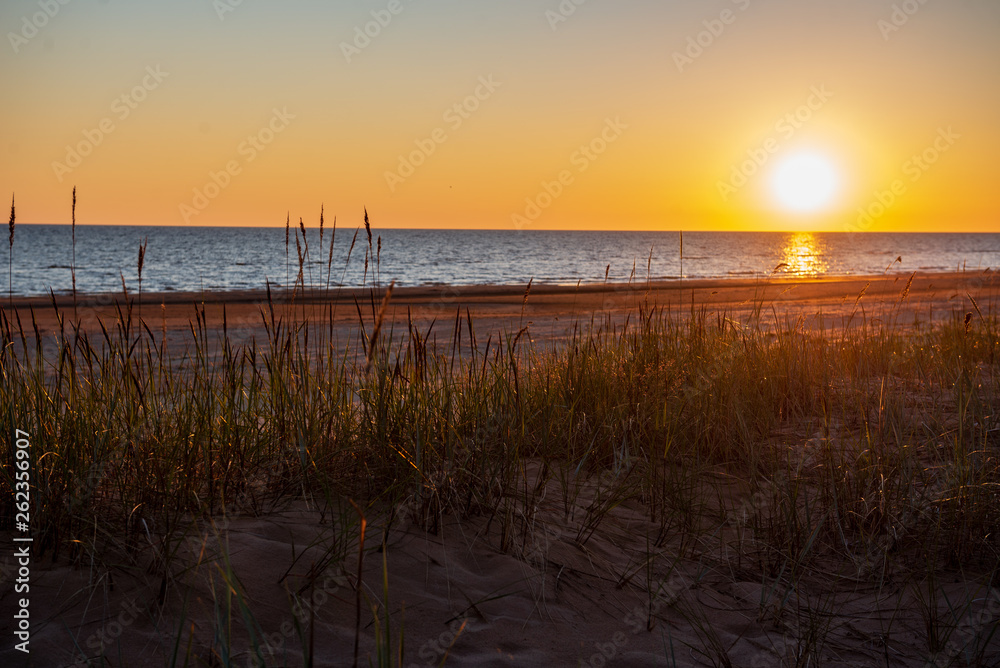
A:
<point x="805" y="182"/>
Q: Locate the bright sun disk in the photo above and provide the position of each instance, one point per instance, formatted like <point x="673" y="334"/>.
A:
<point x="805" y="182"/>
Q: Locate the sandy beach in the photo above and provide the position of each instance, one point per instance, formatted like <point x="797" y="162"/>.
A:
<point x="458" y="596"/>
<point x="551" y="311"/>
<point x="468" y="593"/>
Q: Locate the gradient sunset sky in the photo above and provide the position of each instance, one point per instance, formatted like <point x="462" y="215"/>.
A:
<point x="672" y="99"/>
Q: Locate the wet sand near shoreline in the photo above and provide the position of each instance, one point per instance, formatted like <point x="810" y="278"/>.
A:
<point x="550" y="312"/>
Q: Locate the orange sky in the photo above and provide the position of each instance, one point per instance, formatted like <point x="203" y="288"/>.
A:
<point x="461" y="113"/>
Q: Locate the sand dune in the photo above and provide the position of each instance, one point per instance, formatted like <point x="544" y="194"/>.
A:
<point x="536" y="584"/>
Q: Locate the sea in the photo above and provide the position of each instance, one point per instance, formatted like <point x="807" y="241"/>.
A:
<point x="194" y="259"/>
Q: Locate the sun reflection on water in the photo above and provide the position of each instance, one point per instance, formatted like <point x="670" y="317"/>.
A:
<point x="803" y="255"/>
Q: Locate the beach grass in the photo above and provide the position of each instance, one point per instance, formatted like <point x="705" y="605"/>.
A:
<point x="813" y="462"/>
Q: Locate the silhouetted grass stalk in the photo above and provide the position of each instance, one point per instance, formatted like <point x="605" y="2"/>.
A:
<point x="10" y="255"/>
<point x="72" y="268"/>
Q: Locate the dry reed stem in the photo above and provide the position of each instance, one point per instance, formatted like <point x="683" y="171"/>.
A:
<point x="378" y="324"/>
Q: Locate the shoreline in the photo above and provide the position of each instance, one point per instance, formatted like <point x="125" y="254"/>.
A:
<point x="550" y="309"/>
<point x="312" y="294"/>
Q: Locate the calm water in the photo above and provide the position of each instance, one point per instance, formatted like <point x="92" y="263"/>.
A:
<point x="202" y="258"/>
